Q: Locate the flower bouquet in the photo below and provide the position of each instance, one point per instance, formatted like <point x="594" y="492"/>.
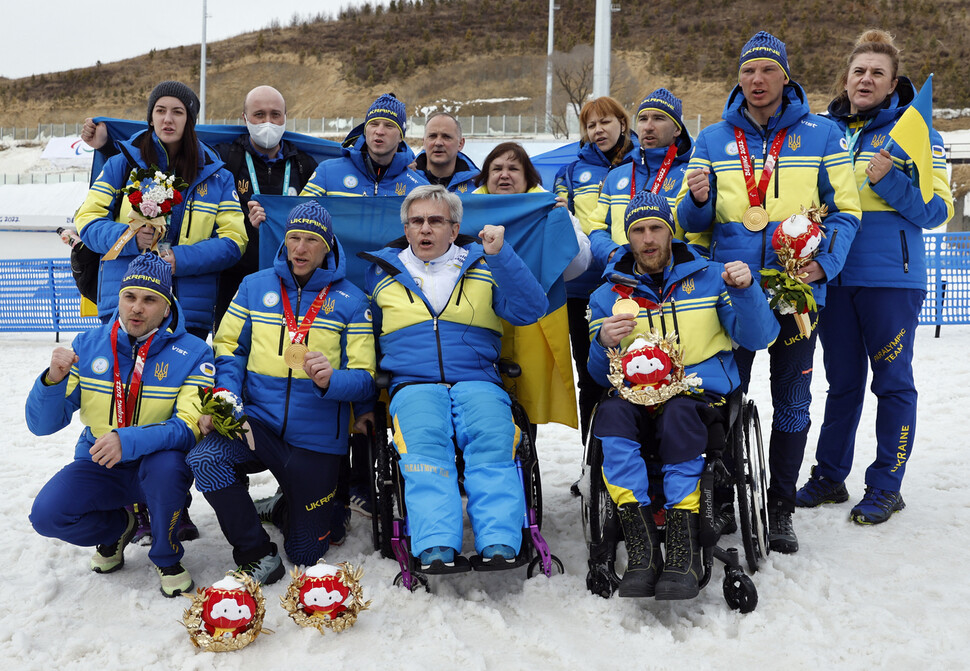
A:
<point x="796" y="242"/>
<point x="151" y="194"/>
<point x="226" y="411"/>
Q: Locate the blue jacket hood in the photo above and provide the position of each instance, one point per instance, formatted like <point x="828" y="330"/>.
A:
<point x="794" y="105"/>
<point x="592" y="154"/>
<point x="465" y="168"/>
<point x="402" y="158"/>
<point x="887" y="113"/>
<point x="334" y="268"/>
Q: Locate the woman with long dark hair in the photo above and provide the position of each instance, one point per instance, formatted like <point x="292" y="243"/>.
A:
<point x="873" y="305"/>
<point x="205" y="231"/>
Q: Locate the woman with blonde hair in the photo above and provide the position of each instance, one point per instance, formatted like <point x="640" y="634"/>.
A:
<point x="873" y="305"/>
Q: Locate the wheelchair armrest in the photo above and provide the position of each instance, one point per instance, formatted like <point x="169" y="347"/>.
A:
<point x="509" y="368"/>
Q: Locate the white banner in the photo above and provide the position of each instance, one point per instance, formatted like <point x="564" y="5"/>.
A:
<point x="68" y="152"/>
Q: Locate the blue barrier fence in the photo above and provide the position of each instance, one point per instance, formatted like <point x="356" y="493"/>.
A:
<point x="40" y="294"/>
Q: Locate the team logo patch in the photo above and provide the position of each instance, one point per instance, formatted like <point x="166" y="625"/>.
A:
<point x="843" y="144"/>
<point x="207" y="369"/>
<point x="235" y="195"/>
<point x="350" y="181"/>
<point x="731" y="148"/>
<point x="623" y="183"/>
<point x="938" y="151"/>
<point x="271" y="299"/>
<point x="99" y="365"/>
<point x="368" y="315"/>
<point x="585" y="176"/>
<point x="292" y="191"/>
<point x="161" y="371"/>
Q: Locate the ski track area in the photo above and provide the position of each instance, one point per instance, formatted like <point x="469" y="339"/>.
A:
<point x="889" y="596"/>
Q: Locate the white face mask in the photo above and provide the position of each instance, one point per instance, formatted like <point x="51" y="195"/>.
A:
<point x="266" y="135"/>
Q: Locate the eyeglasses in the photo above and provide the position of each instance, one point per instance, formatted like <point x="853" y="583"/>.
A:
<point x="434" y="221"/>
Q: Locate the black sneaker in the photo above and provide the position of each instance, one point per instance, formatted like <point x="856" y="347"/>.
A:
<point x="781" y="531"/>
<point x="265" y="570"/>
<point x="187" y="531"/>
<point x="725" y="520"/>
<point x="266" y="507"/>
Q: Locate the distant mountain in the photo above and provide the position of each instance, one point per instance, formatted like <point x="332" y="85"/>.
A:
<point x="470" y="53"/>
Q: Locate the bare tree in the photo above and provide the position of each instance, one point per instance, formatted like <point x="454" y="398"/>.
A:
<point x="574" y="72"/>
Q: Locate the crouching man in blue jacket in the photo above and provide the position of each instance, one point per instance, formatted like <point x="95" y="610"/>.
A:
<point x="708" y="305"/>
<point x="438" y="298"/>
<point x="135" y="381"/>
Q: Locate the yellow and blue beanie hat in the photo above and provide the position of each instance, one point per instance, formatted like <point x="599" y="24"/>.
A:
<point x="390" y="108"/>
<point x="151" y="273"/>
<point x="311" y="217"/>
<point x="765" y="46"/>
<point x="647" y="205"/>
<point x="664" y="101"/>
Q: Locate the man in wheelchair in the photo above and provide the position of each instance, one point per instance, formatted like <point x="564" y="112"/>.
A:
<point x="437" y="299"/>
<point x="659" y="289"/>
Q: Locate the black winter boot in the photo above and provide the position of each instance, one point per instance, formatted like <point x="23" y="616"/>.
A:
<point x="682" y="568"/>
<point x="643" y="550"/>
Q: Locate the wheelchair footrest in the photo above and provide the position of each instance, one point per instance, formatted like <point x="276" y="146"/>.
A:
<point x="437" y="567"/>
<point x="497" y="563"/>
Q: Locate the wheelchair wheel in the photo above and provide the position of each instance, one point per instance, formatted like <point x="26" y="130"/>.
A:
<point x="740" y="591"/>
<point x="752" y="486"/>
<point x="600" y="524"/>
<point x="383" y="516"/>
<point x="418" y="580"/>
<point x="557" y="567"/>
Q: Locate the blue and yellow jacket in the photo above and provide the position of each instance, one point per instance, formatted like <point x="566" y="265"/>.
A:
<point x="253" y="336"/>
<point x="462" y="181"/>
<point x="813" y="167"/>
<point x="350" y="175"/>
<point x="167" y="412"/>
<point x="463" y="342"/>
<point x="580" y="183"/>
<point x="696" y="303"/>
<point x="206" y="230"/>
<point x="888" y="249"/>
<point x="606" y="220"/>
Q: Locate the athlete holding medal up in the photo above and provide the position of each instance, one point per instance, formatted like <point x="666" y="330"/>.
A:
<point x="297" y="346"/>
<point x="767" y="159"/>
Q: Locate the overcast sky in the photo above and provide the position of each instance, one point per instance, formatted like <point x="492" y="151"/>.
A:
<point x="53" y="35"/>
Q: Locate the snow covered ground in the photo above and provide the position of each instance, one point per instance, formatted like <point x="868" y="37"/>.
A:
<point x="890" y="597"/>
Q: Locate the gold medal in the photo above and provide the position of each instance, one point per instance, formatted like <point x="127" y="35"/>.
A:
<point x="755" y="218"/>
<point x="626" y="306"/>
<point x="293" y="355"/>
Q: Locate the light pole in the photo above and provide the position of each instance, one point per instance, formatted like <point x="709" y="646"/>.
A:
<point x="601" y="47"/>
<point x="549" y="49"/>
<point x="202" y="69"/>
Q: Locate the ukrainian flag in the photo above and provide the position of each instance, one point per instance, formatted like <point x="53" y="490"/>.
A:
<point x="541" y="235"/>
<point x="912" y="134"/>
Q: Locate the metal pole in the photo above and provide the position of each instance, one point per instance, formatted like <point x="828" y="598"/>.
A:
<point x="202" y="69"/>
<point x="549" y="49"/>
<point x="601" y="49"/>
